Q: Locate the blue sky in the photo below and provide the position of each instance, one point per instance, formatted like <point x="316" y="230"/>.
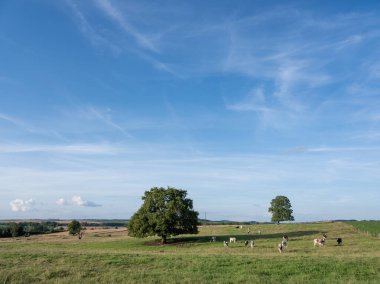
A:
<point x="234" y="101"/>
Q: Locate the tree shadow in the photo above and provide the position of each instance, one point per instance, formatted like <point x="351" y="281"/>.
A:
<point x="239" y="238"/>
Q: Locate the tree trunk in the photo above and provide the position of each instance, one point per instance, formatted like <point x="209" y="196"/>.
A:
<point x="163" y="240"/>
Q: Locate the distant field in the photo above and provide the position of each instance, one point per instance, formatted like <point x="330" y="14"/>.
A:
<point x="110" y="256"/>
<point x="370" y="227"/>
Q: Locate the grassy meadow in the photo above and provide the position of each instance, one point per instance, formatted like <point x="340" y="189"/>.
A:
<point x="369" y="227"/>
<point x="110" y="256"/>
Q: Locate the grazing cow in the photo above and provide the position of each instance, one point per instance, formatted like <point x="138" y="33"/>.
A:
<point x="252" y="243"/>
<point x="246" y="243"/>
<point x="232" y="240"/>
<point x="339" y="241"/>
<point x="80" y="235"/>
<point x="320" y="242"/>
<point x="213" y="239"/>
<point x="225" y="244"/>
<point x="248" y="230"/>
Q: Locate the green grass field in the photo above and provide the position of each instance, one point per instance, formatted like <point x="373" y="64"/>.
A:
<point x="110" y="256"/>
<point x="369" y="227"/>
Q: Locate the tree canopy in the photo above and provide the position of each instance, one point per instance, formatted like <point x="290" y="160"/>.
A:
<point x="74" y="227"/>
<point x="165" y="212"/>
<point x="281" y="209"/>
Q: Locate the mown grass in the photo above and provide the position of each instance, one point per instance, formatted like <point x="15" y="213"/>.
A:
<point x="369" y="227"/>
<point x="190" y="259"/>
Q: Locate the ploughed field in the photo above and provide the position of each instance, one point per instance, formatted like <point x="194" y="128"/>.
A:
<point x="110" y="256"/>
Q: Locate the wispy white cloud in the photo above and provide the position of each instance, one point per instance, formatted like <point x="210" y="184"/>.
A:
<point x="87" y="29"/>
<point x="332" y="149"/>
<point x="115" y="14"/>
<point x="10" y="119"/>
<point x="294" y="71"/>
<point x="98" y="37"/>
<point x="107" y="119"/>
<point x="16" y="122"/>
<point x="21" y="204"/>
<point x="22" y="125"/>
<point x="79" y="149"/>
<point x="159" y="65"/>
<point x="270" y="115"/>
<point x="350" y="41"/>
<point x="254" y="101"/>
<point x="371" y="136"/>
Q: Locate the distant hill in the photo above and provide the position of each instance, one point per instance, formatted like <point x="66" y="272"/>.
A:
<point x="226" y="222"/>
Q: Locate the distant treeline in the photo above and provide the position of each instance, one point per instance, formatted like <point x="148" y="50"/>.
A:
<point x="17" y="229"/>
<point x="105" y="224"/>
<point x="14" y="229"/>
<point x="99" y="223"/>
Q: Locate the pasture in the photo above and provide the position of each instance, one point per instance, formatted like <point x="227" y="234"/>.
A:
<point x="110" y="256"/>
<point x="369" y="227"/>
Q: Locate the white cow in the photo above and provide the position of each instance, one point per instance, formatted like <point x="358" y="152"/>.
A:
<point x="282" y="246"/>
<point x="232" y="240"/>
<point x="320" y="242"/>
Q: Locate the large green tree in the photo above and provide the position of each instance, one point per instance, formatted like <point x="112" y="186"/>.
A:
<point x="281" y="209"/>
<point x="74" y="227"/>
<point x="165" y="212"/>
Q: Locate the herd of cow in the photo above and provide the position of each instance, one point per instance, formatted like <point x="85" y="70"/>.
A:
<point x="282" y="245"/>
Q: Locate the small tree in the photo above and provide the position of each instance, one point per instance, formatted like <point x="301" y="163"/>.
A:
<point x="165" y="213"/>
<point x="281" y="209"/>
<point x="74" y="227"/>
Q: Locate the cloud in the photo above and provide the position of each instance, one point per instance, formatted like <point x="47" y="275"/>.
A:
<point x="80" y="149"/>
<point x="350" y="41"/>
<point x="114" y="40"/>
<point x="118" y="17"/>
<point x="273" y="115"/>
<point x="159" y="65"/>
<point x="62" y="201"/>
<point x="77" y="200"/>
<point x="300" y="63"/>
<point x="15" y="122"/>
<point x="9" y="119"/>
<point x="21" y="205"/>
<point x="302" y="149"/>
<point x="23" y="125"/>
<point x="107" y="119"/>
<point x="372" y="135"/>
<point x="86" y="28"/>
